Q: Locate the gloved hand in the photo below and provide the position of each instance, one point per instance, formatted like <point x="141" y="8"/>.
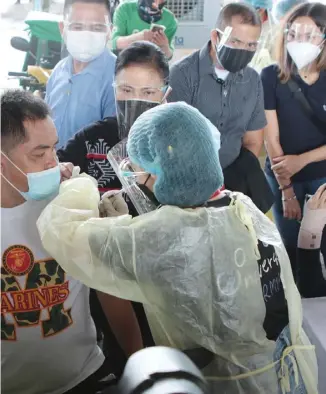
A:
<point x="113" y="204"/>
<point x="68" y="171"/>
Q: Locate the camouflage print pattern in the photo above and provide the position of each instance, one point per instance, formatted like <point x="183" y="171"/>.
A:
<point x="43" y="274"/>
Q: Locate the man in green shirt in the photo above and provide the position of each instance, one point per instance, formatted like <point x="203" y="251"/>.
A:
<point x="133" y="21"/>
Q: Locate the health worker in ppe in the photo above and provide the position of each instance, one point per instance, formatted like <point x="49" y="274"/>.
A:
<point x="209" y="266"/>
<point x="263" y="55"/>
<point x="140" y="83"/>
<point x="282" y="7"/>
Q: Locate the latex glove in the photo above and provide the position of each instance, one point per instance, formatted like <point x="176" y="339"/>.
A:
<point x="113" y="204"/>
<point x="66" y="170"/>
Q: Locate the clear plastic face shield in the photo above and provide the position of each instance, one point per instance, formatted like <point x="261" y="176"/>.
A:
<point x="85" y="40"/>
<point x="234" y="51"/>
<point x="132" y="100"/>
<point x="132" y="178"/>
<point x="303" y="46"/>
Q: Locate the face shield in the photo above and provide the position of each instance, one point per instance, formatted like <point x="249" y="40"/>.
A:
<point x="303" y="44"/>
<point x="133" y="180"/>
<point x="132" y="101"/>
<point x="234" y="53"/>
<point x="86" y="40"/>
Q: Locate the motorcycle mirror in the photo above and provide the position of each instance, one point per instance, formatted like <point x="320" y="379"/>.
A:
<point x="19" y="43"/>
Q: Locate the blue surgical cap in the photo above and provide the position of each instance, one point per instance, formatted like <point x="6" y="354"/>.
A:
<point x="265" y="4"/>
<point x="282" y="7"/>
<point x="180" y="146"/>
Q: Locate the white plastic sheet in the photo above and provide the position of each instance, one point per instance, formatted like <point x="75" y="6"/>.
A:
<point x="196" y="272"/>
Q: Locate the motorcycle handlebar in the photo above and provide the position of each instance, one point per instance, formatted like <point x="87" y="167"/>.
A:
<point x="18" y="74"/>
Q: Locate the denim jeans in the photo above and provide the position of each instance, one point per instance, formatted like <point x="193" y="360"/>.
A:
<point x="283" y="341"/>
<point x="289" y="228"/>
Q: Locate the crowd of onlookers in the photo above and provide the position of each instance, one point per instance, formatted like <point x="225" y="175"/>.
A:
<point x="260" y="80"/>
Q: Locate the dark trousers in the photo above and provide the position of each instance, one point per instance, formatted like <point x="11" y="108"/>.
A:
<point x="311" y="282"/>
<point x="95" y="384"/>
<point x="246" y="176"/>
<point x="289" y="228"/>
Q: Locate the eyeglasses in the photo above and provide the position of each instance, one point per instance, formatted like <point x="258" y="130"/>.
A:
<point x="127" y="169"/>
<point x="94" y="27"/>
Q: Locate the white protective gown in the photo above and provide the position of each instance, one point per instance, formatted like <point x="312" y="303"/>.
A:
<point x="196" y="272"/>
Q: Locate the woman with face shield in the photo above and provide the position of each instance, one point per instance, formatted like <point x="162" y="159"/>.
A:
<point x="295" y="97"/>
<point x="141" y="82"/>
<point x="209" y="267"/>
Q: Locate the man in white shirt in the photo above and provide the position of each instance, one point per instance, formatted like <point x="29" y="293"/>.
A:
<point x="47" y="333"/>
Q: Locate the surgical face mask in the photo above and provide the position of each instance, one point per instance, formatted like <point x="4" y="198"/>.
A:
<point x="128" y="111"/>
<point x="303" y="53"/>
<point x="41" y="185"/>
<point x="85" y="46"/>
<point x="233" y="59"/>
<point x="147" y="13"/>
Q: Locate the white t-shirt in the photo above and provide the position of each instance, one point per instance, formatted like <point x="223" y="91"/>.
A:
<point x="47" y="333"/>
<point x="222" y="74"/>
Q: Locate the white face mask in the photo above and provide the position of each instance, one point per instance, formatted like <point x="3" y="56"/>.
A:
<point x="303" y="53"/>
<point x="85" y="46"/>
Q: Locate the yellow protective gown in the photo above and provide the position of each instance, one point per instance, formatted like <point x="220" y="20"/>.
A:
<point x="196" y="272"/>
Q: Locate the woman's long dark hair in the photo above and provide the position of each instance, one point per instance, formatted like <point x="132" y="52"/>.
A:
<point x="315" y="11"/>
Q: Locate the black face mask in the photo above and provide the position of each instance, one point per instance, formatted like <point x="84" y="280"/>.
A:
<point x="234" y="59"/>
<point x="127" y="113"/>
<point x="147" y="13"/>
<point x="148" y="193"/>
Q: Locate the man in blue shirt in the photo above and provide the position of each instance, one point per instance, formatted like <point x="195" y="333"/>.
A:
<point x="79" y="91"/>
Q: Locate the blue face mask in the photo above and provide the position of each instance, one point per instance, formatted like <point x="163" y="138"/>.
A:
<point x="41" y="185"/>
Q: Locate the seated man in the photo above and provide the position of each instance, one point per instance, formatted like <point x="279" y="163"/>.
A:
<point x="133" y="21"/>
<point x="80" y="90"/>
<point x="208" y="265"/>
<point x="47" y="334"/>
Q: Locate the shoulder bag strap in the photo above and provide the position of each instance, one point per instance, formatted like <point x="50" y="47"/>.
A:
<point x="298" y="95"/>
